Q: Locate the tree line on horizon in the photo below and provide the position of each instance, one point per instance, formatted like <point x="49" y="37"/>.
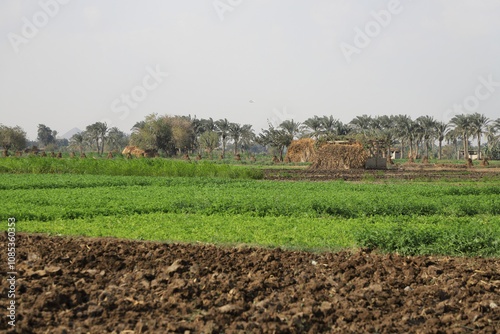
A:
<point x="174" y="135"/>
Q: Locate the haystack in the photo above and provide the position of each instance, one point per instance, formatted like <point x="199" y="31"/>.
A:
<point x="253" y="158"/>
<point x="186" y="157"/>
<point x="83" y="156"/>
<point x="198" y="157"/>
<point x="484" y="162"/>
<point x="301" y="150"/>
<point x="72" y="155"/>
<point x="43" y="155"/>
<point x="52" y="155"/>
<point x="5" y="153"/>
<point x="19" y="153"/>
<point x="410" y="160"/>
<point x="138" y="152"/>
<point x="129" y="156"/>
<point x="287" y="160"/>
<point x="275" y="159"/>
<point x="237" y="157"/>
<point x="221" y="157"/>
<point x="469" y="163"/>
<point x="156" y="155"/>
<point x="389" y="160"/>
<point x="425" y="159"/>
<point x="337" y="156"/>
<point x="110" y="155"/>
<point x="59" y="155"/>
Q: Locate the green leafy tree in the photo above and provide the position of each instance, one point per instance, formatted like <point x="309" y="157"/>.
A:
<point x="12" y="137"/>
<point x="155" y="133"/>
<point x="45" y="135"/>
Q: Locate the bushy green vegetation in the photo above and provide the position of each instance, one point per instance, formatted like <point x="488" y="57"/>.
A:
<point x="407" y="218"/>
<point x="142" y="167"/>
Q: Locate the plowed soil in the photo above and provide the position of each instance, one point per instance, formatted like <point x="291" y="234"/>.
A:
<point x="80" y="285"/>
<point x="413" y="172"/>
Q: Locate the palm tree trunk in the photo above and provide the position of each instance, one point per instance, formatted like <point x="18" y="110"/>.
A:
<point x="402" y="146"/>
<point x="479" y="146"/>
<point x="465" y="147"/>
<point x="411" y="147"/>
<point x="426" y="148"/>
<point x="440" y="149"/>
<point x="223" y="147"/>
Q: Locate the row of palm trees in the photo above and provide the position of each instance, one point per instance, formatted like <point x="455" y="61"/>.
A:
<point x="387" y="131"/>
<point x="98" y="134"/>
<point x="390" y="130"/>
<point x="241" y="135"/>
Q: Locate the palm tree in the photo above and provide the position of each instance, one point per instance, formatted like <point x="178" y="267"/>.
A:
<point x="479" y="122"/>
<point x="491" y="136"/>
<point x="312" y="127"/>
<point x="452" y="137"/>
<point x="209" y="124"/>
<point x="402" y="127"/>
<point x="328" y="125"/>
<point x="103" y="130"/>
<point x="235" y="131"/>
<point x="292" y="127"/>
<point x="247" y="136"/>
<point x="77" y="141"/>
<point x="362" y="124"/>
<point x="427" y="125"/>
<point x="462" y="124"/>
<point x="224" y="126"/>
<point x="441" y="129"/>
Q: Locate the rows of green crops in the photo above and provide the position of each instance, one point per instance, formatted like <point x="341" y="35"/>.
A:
<point x="140" y="167"/>
<point x="48" y="197"/>
<point x="407" y="218"/>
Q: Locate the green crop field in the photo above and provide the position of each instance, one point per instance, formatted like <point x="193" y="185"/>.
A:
<point x="407" y="218"/>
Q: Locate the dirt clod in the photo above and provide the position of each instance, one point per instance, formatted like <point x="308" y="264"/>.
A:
<point x="104" y="285"/>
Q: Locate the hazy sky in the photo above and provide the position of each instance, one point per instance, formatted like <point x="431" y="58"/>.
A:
<point x="75" y="62"/>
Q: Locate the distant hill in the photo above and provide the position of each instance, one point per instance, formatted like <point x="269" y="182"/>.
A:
<point x="70" y="133"/>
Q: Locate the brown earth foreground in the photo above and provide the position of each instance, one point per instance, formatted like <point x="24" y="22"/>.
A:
<point x="80" y="285"/>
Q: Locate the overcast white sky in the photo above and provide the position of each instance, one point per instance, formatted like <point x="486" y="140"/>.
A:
<point x="285" y="55"/>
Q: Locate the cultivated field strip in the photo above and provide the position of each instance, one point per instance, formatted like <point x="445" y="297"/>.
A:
<point x="37" y="197"/>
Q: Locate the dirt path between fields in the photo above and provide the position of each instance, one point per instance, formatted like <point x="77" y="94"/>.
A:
<point x="80" y="285"/>
<point x="413" y="172"/>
